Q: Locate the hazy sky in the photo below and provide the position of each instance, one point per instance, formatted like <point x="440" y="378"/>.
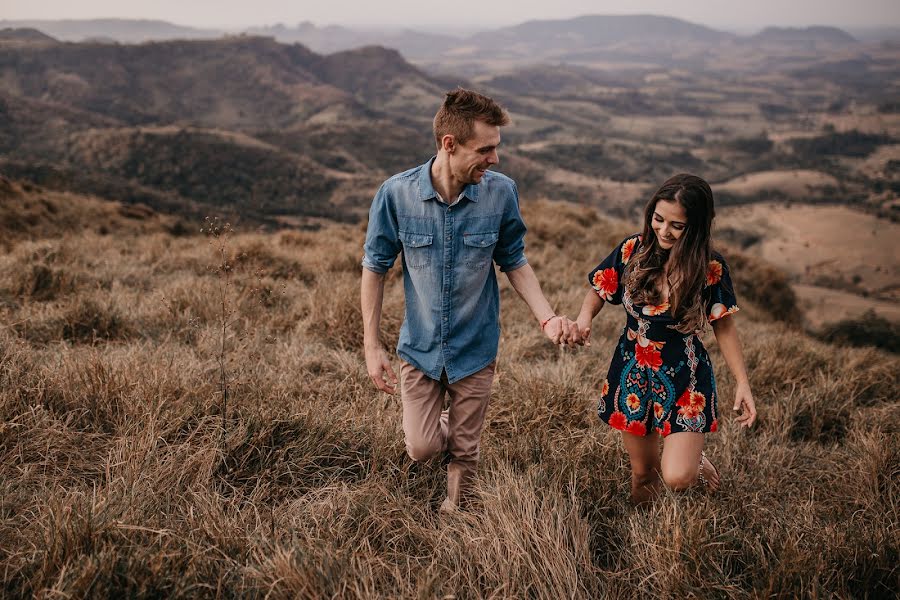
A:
<point x="730" y="14"/>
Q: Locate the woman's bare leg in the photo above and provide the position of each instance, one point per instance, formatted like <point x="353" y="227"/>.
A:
<point x="681" y="459"/>
<point x="643" y="451"/>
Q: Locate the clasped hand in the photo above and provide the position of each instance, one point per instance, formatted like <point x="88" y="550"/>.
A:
<point x="563" y="331"/>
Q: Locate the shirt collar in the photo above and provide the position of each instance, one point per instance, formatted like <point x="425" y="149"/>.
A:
<point x="427" y="191"/>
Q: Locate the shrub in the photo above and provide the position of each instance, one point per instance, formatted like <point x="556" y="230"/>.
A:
<point x="42" y="282"/>
<point x="89" y="321"/>
<point x="867" y="330"/>
<point x="765" y="286"/>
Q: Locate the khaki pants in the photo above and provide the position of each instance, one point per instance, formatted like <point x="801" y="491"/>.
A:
<point x="431" y="431"/>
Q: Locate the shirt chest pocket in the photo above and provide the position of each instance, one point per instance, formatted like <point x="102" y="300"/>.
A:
<point x="479" y="249"/>
<point x="417" y="249"/>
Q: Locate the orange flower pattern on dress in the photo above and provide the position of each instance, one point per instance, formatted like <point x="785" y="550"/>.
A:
<point x="648" y="357"/>
<point x="660" y="380"/>
<point x="637" y="428"/>
<point x="691" y="404"/>
<point x="617" y="421"/>
<point x="713" y="272"/>
<point x="658" y="410"/>
<point x="606" y="282"/>
<point x="633" y="402"/>
<point x="718" y="311"/>
<point x="633" y="335"/>
<point x="651" y="310"/>
<point x="628" y="250"/>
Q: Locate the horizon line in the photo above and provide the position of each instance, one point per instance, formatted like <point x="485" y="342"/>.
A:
<point x="444" y="26"/>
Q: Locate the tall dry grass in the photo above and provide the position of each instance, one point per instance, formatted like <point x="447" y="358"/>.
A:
<point x="114" y="480"/>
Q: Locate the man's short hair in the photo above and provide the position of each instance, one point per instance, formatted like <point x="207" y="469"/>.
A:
<point x="460" y="110"/>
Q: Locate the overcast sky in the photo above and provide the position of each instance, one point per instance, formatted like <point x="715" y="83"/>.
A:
<point x="728" y="14"/>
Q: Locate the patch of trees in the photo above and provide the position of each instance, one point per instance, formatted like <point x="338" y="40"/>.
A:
<point x="751" y="145"/>
<point x="210" y="170"/>
<point x="851" y="143"/>
<point x="774" y="111"/>
<point x="619" y="162"/>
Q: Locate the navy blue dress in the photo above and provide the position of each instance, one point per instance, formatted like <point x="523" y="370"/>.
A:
<point x="659" y="379"/>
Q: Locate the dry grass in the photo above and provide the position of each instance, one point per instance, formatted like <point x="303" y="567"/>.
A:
<point x="28" y="211"/>
<point x="114" y="480"/>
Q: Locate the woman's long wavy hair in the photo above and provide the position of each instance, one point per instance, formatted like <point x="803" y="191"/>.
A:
<point x="688" y="258"/>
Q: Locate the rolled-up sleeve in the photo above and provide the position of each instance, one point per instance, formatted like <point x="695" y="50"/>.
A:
<point x="382" y="240"/>
<point x="510" y="251"/>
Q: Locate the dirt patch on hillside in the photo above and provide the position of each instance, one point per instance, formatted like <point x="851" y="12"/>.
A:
<point x="825" y="305"/>
<point x="796" y="183"/>
<point x="842" y="261"/>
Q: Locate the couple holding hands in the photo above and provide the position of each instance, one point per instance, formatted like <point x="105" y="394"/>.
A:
<point x="453" y="219"/>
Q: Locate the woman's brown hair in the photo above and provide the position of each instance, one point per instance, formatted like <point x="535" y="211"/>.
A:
<point x="689" y="255"/>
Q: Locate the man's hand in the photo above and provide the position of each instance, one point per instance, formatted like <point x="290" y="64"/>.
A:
<point x="562" y="331"/>
<point x="554" y="329"/>
<point x="377" y="365"/>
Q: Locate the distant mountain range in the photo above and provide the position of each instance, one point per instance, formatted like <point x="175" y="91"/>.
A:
<point x="278" y="130"/>
<point x="577" y="39"/>
<point x="127" y="31"/>
<point x="792" y="35"/>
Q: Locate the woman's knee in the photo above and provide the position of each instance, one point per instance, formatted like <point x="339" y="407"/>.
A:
<point x="680" y="478"/>
<point x="644" y="473"/>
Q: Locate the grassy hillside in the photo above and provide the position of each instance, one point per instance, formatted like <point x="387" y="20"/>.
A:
<point x="28" y="212"/>
<point x="117" y="477"/>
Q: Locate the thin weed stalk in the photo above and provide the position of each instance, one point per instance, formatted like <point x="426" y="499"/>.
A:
<point x="219" y="237"/>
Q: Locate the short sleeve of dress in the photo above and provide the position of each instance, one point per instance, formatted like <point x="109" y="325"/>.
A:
<point x="719" y="292"/>
<point x="606" y="278"/>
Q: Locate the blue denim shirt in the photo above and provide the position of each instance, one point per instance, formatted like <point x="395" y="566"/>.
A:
<point x="452" y="319"/>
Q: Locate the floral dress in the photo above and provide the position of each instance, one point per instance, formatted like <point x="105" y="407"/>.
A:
<point x="659" y="379"/>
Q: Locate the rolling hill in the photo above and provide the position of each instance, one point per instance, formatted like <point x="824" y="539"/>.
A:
<point x="240" y="122"/>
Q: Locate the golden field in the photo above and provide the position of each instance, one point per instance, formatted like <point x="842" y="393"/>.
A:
<point x="124" y="475"/>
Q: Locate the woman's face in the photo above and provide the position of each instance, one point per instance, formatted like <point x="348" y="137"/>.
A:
<point x="669" y="221"/>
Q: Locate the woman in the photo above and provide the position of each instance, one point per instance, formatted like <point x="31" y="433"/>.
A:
<point x="660" y="381"/>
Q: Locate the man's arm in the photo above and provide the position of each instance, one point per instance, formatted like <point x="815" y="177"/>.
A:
<point x="377" y="361"/>
<point x="381" y="249"/>
<point x="510" y="257"/>
<point x="557" y="328"/>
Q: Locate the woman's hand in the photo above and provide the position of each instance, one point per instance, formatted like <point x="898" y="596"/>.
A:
<point x="743" y="401"/>
<point x="583" y="323"/>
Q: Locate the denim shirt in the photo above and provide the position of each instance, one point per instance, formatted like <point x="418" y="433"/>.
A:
<point x="452" y="320"/>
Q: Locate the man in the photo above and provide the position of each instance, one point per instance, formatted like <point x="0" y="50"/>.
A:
<point x="452" y="219"/>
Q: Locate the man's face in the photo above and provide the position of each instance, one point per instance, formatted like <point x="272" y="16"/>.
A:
<point x="469" y="161"/>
